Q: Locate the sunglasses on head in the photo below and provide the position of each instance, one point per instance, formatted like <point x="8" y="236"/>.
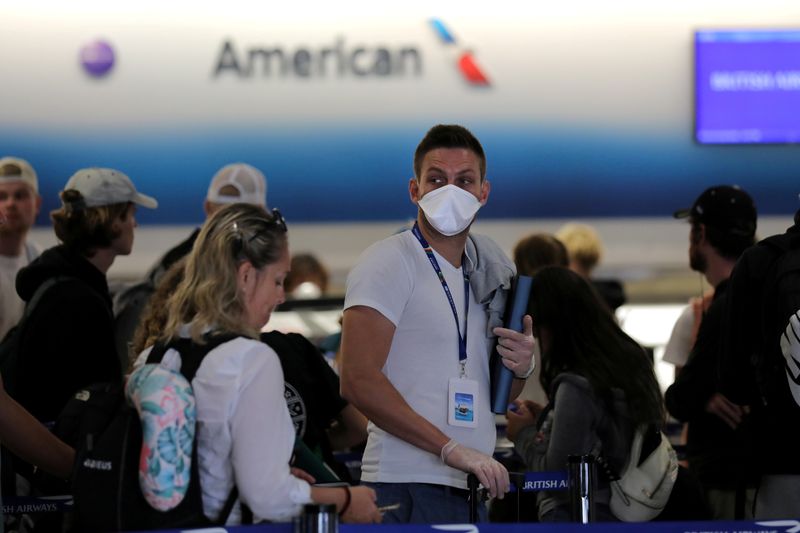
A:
<point x="276" y="220"/>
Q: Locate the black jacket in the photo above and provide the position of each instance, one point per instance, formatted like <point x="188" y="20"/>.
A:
<point x="68" y="340"/>
<point x="716" y="453"/>
<point x="752" y="366"/>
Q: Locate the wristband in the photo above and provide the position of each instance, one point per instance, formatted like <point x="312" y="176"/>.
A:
<point x="347" y="498"/>
<point x="446" y="449"/>
<point x="527" y="374"/>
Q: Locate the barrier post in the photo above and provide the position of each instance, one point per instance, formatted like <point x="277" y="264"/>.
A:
<point x="518" y="481"/>
<point x="474" y="500"/>
<point x="581" y="475"/>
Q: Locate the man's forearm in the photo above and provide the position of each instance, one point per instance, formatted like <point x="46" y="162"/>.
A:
<point x="375" y="396"/>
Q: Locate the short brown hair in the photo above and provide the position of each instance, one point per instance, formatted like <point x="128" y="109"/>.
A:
<point x="448" y="136"/>
<point x="85" y="229"/>
<point x="537" y="251"/>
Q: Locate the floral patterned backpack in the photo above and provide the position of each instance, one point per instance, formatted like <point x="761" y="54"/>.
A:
<point x="136" y="462"/>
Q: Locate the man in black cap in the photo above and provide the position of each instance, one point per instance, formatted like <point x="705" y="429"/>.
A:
<point x="723" y="225"/>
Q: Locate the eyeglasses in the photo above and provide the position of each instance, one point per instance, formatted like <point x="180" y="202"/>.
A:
<point x="241" y="241"/>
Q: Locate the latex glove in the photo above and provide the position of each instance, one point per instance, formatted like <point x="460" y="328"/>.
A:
<point x="729" y="412"/>
<point x="523" y="413"/>
<point x="790" y="346"/>
<point x="362" y="508"/>
<point x="517" y="348"/>
<point x="491" y="474"/>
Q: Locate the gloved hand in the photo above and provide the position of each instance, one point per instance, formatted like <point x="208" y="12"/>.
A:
<point x="790" y="347"/>
<point x="491" y="474"/>
<point x="516" y="348"/>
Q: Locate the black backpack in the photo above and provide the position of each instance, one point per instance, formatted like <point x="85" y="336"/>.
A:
<point x="10" y="465"/>
<point x="129" y="306"/>
<point x="779" y="301"/>
<point x="10" y="346"/>
<point x="107" y="436"/>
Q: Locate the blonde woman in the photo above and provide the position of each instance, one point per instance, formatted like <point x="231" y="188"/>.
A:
<point x="233" y="280"/>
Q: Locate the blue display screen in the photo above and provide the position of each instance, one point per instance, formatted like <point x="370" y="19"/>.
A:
<point x="747" y="87"/>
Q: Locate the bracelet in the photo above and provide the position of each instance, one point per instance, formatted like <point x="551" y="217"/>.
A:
<point x="446" y="449"/>
<point x="347" y="498"/>
<point x="527" y="374"/>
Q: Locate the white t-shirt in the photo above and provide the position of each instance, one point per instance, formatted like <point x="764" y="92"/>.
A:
<point x="244" y="431"/>
<point x="395" y="277"/>
<point x="11" y="305"/>
<point x="680" y="341"/>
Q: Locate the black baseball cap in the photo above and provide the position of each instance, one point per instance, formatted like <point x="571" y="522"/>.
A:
<point x="724" y="207"/>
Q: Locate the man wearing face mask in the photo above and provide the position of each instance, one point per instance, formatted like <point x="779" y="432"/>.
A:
<point x="422" y="313"/>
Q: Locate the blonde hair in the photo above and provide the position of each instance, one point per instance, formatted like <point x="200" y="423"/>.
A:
<point x="208" y="297"/>
<point x="583" y="245"/>
<point x="156" y="312"/>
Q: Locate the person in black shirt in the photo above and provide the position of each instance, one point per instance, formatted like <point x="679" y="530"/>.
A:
<point x="723" y="224"/>
<point x="754" y="372"/>
<point x="67" y="342"/>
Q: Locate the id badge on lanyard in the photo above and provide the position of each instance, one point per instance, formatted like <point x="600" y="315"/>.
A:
<point x="462" y="393"/>
<point x="462" y="400"/>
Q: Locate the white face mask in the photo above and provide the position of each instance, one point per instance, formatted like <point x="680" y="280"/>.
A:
<point x="449" y="209"/>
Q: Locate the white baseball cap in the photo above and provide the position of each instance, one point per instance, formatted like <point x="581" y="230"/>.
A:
<point x="106" y="186"/>
<point x="13" y="169"/>
<point x="246" y="179"/>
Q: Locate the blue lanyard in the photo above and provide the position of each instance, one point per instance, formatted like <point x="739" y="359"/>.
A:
<point x="462" y="340"/>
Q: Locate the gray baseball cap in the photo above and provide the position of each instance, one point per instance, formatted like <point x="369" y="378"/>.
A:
<point x="106" y="186"/>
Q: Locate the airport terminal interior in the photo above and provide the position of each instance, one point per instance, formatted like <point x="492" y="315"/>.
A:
<point x="615" y="115"/>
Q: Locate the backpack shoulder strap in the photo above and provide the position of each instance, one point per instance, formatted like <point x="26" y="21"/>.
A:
<point x="39" y="293"/>
<point x="192" y="353"/>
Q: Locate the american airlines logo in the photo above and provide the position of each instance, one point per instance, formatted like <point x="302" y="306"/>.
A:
<point x="465" y="60"/>
<point x="338" y="59"/>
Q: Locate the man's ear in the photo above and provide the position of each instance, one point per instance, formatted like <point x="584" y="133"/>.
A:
<point x="486" y="188"/>
<point x="697" y="234"/>
<point x="413" y="190"/>
<point x="38" y="203"/>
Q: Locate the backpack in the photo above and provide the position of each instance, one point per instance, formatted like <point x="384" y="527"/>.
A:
<point x="129" y="305"/>
<point x="111" y="456"/>
<point x="10" y="465"/>
<point x="642" y="489"/>
<point x="775" y="373"/>
<point x="10" y="346"/>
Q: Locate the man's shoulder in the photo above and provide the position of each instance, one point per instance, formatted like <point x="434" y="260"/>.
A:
<point x="485" y="253"/>
<point x="389" y="250"/>
<point x="485" y="244"/>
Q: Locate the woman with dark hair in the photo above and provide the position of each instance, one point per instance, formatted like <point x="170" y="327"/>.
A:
<point x="600" y="383"/>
